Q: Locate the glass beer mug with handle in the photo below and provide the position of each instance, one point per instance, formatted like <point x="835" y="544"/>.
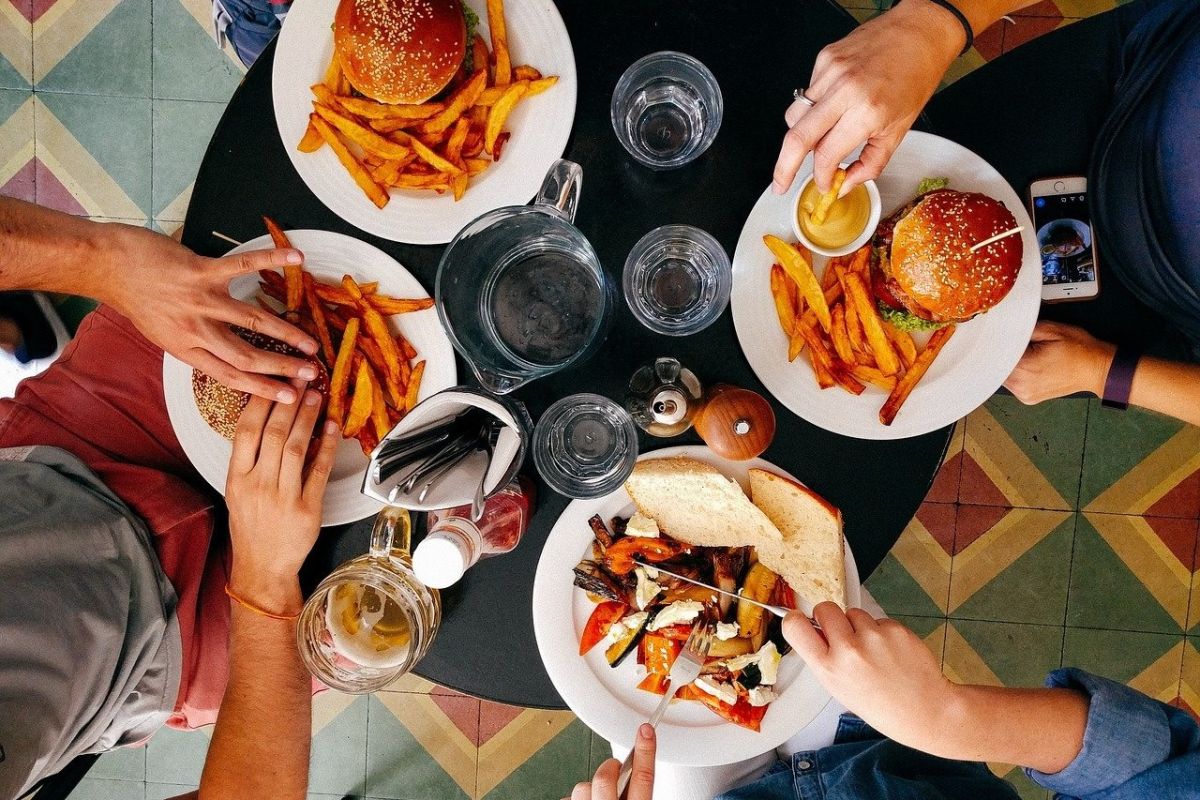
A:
<point x="371" y="620"/>
<point x="520" y="289"/>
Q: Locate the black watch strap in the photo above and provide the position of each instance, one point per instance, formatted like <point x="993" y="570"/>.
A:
<point x="1119" y="383"/>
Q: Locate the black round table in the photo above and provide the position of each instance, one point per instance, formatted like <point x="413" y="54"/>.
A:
<point x="758" y="51"/>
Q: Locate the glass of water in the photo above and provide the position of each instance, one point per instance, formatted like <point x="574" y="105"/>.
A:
<point x="666" y="109"/>
<point x="585" y="445"/>
<point x="677" y="280"/>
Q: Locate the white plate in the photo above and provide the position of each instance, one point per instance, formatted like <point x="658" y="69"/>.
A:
<point x="607" y="699"/>
<point x="327" y="256"/>
<point x="540" y="125"/>
<point x="971" y="366"/>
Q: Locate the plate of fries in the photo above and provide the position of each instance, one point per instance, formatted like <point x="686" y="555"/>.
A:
<point x="838" y="364"/>
<point x="420" y="173"/>
<point x="380" y="341"/>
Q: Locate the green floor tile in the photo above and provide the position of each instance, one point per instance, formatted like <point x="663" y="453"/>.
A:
<point x="600" y="752"/>
<point x="10" y="76"/>
<point x="1018" y="655"/>
<point x="1025" y="786"/>
<point x="1117" y="655"/>
<point x="187" y="63"/>
<point x="124" y="763"/>
<point x="1109" y="592"/>
<point x="167" y="791"/>
<point x="1050" y="434"/>
<point x="1117" y="442"/>
<point x="897" y="592"/>
<point x="398" y="768"/>
<point x="339" y="753"/>
<point x="550" y="773"/>
<point x="10" y="101"/>
<point x="100" y="789"/>
<point x="182" y="129"/>
<point x="112" y="59"/>
<point x="176" y="757"/>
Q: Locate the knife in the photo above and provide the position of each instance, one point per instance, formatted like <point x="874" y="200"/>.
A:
<point x="778" y="611"/>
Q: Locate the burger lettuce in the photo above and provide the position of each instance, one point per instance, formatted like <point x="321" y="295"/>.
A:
<point x="904" y="321"/>
<point x="928" y="185"/>
<point x="472" y="26"/>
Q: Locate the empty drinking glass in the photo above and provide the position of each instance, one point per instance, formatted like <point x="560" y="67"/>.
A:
<point x="585" y="445"/>
<point x="666" y="109"/>
<point x="677" y="280"/>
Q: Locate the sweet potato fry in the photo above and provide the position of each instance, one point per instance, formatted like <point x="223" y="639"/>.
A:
<point x="499" y="32"/>
<point x="499" y="113"/>
<point x="392" y="305"/>
<point x="376" y="327"/>
<point x="422" y="181"/>
<point x="414" y="386"/>
<point x="841" y="339"/>
<point x="376" y="193"/>
<point x="480" y="57"/>
<point x="426" y="154"/>
<point x="390" y="385"/>
<point x="477" y="165"/>
<point x="904" y="344"/>
<point x="784" y="308"/>
<point x="826" y="201"/>
<point x="317" y="311"/>
<point x="369" y="109"/>
<point x="798" y="266"/>
<point x="457" y="105"/>
<point x="292" y="273"/>
<point x="311" y="142"/>
<point x="339" y="381"/>
<point x="526" y="73"/>
<point x="906" y="384"/>
<point x="379" y="415"/>
<point x="370" y="141"/>
<point x="360" y="403"/>
<point x="406" y="349"/>
<point x="331" y="293"/>
<point x="868" y="315"/>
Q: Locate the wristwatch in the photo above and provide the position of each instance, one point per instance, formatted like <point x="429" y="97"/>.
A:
<point x="1119" y="383"/>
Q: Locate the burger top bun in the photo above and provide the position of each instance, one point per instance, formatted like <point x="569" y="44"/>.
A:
<point x="221" y="407"/>
<point x="931" y="256"/>
<point x="399" y="51"/>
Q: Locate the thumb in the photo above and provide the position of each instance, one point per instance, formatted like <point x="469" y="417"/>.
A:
<point x="256" y="260"/>
<point x="804" y="637"/>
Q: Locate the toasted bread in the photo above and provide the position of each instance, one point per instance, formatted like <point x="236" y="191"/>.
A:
<point x="693" y="502"/>
<point x="811" y="556"/>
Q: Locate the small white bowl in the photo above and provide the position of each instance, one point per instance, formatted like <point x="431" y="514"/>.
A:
<point x="863" y="238"/>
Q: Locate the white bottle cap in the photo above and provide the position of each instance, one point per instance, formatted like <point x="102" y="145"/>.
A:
<point x="440" y="561"/>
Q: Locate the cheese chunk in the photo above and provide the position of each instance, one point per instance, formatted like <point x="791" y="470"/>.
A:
<point x="675" y="613"/>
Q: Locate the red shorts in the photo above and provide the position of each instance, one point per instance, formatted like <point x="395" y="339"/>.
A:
<point x="102" y="401"/>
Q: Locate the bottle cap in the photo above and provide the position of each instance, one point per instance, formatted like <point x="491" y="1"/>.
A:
<point x="440" y="561"/>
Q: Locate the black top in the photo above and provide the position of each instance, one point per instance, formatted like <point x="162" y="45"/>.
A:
<point x="759" y="52"/>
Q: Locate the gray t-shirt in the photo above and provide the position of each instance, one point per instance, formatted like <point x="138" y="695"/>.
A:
<point x="90" y="654"/>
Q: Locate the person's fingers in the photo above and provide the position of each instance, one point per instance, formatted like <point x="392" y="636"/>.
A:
<point x="275" y="436"/>
<point x="799" y="140"/>
<point x="833" y="148"/>
<point x="245" y="357"/>
<point x="806" y="639"/>
<point x="248" y="434"/>
<point x="641" y="780"/>
<point x="604" y="782"/>
<point x="291" y="468"/>
<point x="871" y="161"/>
<point x="256" y="319"/>
<point x="834" y="625"/>
<point x="861" y="621"/>
<point x="582" y="791"/>
<point x="322" y="464"/>
<point x="798" y="109"/>
<point x="1048" y="330"/>
<point x="220" y="370"/>
<point x="255" y="260"/>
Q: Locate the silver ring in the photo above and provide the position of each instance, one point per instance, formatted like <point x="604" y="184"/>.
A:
<point x="799" y="95"/>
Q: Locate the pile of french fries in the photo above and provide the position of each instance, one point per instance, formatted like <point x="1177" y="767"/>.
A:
<point x="373" y="381"/>
<point x="436" y="146"/>
<point x="836" y="319"/>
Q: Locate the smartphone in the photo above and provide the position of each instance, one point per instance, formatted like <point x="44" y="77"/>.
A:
<point x="1070" y="269"/>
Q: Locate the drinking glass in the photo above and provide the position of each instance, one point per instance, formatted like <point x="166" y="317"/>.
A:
<point x="520" y="290"/>
<point x="585" y="445"/>
<point x="677" y="280"/>
<point x="371" y="620"/>
<point x="666" y="109"/>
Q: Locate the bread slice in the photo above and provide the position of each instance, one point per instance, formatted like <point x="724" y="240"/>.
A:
<point x="693" y="502"/>
<point x="811" y="556"/>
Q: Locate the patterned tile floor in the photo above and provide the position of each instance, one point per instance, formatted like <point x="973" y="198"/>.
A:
<point x="1060" y="534"/>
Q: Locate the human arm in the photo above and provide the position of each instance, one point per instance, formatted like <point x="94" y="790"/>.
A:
<point x="260" y="745"/>
<point x="871" y="85"/>
<point x="1062" y="360"/>
<point x="603" y="785"/>
<point x="178" y="300"/>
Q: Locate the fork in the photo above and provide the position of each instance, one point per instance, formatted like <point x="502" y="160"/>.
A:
<point x="685" y="670"/>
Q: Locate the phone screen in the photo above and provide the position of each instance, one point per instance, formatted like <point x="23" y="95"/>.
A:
<point x="1064" y="236"/>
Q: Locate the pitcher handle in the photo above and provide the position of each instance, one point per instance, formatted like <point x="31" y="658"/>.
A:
<point x="392" y="531"/>
<point x="560" y="189"/>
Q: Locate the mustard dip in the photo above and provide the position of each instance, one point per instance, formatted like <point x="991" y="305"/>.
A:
<point x="847" y="217"/>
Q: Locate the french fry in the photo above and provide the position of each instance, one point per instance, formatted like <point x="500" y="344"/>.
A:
<point x="904" y="343"/>
<point x="414" y="386"/>
<point x="293" y="275"/>
<point x="369" y="109"/>
<point x="868" y="315"/>
<point x="827" y="200"/>
<point x="390" y="384"/>
<point x="311" y="142"/>
<point x="422" y="181"/>
<point x="405" y="346"/>
<point x="458" y="185"/>
<point x="376" y="327"/>
<point x="333" y="75"/>
<point x="317" y="311"/>
<point x="339" y="381"/>
<point x="540" y="85"/>
<point x="499" y="32"/>
<point x="526" y="73"/>
<point x="874" y="377"/>
<point x="379" y="415"/>
<point x="458" y="137"/>
<point x="337" y="295"/>
<point x="906" y="384"/>
<point x="499" y="113"/>
<point x="798" y="266"/>
<point x="476" y="165"/>
<point x="360" y="403"/>
<point x="854" y="329"/>
<point x="367" y="440"/>
<point x="370" y="141"/>
<point x="830" y="275"/>
<point x="480" y="57"/>
<point x="426" y="154"/>
<point x="784" y="308"/>
<point x="841" y="339"/>
<point x="376" y="193"/>
<point x="391" y="125"/>
<point x="462" y="99"/>
<point x="818" y="356"/>
<point x="325" y="96"/>
<point x="392" y="305"/>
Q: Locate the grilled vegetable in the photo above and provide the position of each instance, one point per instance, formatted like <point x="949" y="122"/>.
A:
<point x="727" y="566"/>
<point x="619" y="649"/>
<point x="603" y="537"/>
<point x="598" y="624"/>
<point x="619" y="557"/>
<point x="759" y="584"/>
<point x="737" y="646"/>
<point x="591" y="577"/>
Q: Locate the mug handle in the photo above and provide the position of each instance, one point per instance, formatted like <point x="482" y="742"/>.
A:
<point x="560" y="189"/>
<point x="392" y="531"/>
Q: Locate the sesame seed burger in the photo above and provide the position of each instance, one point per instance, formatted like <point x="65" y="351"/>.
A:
<point x="400" y="51"/>
<point x="924" y="274"/>
<point x="221" y="407"/>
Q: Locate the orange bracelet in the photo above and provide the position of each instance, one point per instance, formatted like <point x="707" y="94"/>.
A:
<point x="260" y="611"/>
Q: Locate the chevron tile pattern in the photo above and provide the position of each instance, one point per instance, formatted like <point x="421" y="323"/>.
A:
<point x="1062" y="534"/>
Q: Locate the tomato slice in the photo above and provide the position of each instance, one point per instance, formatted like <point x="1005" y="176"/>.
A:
<point x="660" y="653"/>
<point x="784" y="596"/>
<point x="742" y="713"/>
<point x="602" y="618"/>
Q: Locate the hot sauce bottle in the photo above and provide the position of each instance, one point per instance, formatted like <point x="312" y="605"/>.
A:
<point x="455" y="543"/>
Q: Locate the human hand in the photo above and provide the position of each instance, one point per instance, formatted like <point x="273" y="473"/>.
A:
<point x="180" y="301"/>
<point x="868" y="87"/>
<point x="878" y="669"/>
<point x="274" y="506"/>
<point x="603" y="785"/>
<point x="1060" y="360"/>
